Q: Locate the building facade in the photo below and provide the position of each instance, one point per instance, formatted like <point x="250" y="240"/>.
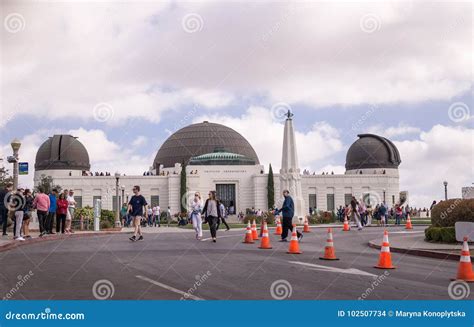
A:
<point x="218" y="158"/>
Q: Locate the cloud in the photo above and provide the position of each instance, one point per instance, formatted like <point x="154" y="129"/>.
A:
<point x="393" y="131"/>
<point x="139" y="57"/>
<point x="140" y="141"/>
<point x="442" y="153"/>
<point x="264" y="131"/>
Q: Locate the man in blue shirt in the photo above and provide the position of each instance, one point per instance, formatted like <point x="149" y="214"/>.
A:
<point x="137" y="206"/>
<point x="48" y="225"/>
<point x="288" y="211"/>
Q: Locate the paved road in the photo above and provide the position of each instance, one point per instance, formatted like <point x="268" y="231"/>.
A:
<point x="163" y="266"/>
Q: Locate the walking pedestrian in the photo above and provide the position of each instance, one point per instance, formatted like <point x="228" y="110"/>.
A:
<point x="41" y="204"/>
<point x="51" y="212"/>
<point x="212" y="214"/>
<point x="196" y="207"/>
<point x="28" y="213"/>
<point x="355" y="212"/>
<point x="157" y="216"/>
<point x="223" y="217"/>
<point x="288" y="211"/>
<point x="135" y="209"/>
<point x="382" y="213"/>
<point x="70" y="214"/>
<point x="61" y="213"/>
<point x="4" y="199"/>
<point x="17" y="207"/>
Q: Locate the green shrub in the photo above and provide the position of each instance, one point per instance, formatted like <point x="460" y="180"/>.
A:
<point x="440" y="234"/>
<point x="447" y="213"/>
<point x="322" y="217"/>
<point x="107" y="217"/>
<point x="448" y="234"/>
<point x="104" y="224"/>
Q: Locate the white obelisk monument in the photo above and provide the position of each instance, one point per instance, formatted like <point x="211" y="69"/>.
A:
<point x="290" y="178"/>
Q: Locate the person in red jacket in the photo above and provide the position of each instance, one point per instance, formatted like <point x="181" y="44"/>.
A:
<point x="61" y="212"/>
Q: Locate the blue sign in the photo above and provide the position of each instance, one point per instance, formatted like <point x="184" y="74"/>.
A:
<point x="23" y="168"/>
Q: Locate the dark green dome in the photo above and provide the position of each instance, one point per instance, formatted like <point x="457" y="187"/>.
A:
<point x="221" y="157"/>
<point x="201" y="138"/>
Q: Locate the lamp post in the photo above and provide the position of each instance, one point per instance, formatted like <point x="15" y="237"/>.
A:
<point x="445" y="183"/>
<point x="123" y="193"/>
<point x="117" y="212"/>
<point x="16" y="144"/>
<point x="384" y="195"/>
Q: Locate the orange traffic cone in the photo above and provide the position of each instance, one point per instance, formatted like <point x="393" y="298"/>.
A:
<point x="306" y="226"/>
<point x="346" y="227"/>
<point x="385" y="259"/>
<point x="408" y="225"/>
<point x="329" y="252"/>
<point x="465" y="272"/>
<point x="248" y="235"/>
<point x="254" y="231"/>
<point x="265" y="243"/>
<point x="278" y="230"/>
<point x="294" y="244"/>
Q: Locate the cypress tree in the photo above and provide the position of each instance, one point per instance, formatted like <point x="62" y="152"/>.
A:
<point x="270" y="189"/>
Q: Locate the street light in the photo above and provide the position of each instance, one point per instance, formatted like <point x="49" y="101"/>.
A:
<point x="384" y="195"/>
<point x="123" y="194"/>
<point x="16" y="144"/>
<point x="445" y="183"/>
<point x="117" y="213"/>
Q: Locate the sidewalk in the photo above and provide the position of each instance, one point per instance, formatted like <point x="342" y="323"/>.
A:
<point x="7" y="242"/>
<point x="414" y="243"/>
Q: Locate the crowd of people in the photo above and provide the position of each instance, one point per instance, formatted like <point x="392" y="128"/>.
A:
<point x="54" y="210"/>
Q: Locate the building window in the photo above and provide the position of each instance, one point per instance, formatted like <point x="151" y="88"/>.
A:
<point x="313" y="201"/>
<point x="330" y="202"/>
<point x="366" y="199"/>
<point x="155" y="201"/>
<point x="78" y="200"/>
<point x="347" y="198"/>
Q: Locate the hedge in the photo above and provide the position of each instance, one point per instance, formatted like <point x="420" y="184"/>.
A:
<point x="440" y="234"/>
<point x="447" y="213"/>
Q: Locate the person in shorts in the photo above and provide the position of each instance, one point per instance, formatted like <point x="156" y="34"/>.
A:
<point x="135" y="208"/>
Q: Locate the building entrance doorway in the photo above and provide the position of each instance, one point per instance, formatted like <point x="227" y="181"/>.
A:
<point x="226" y="194"/>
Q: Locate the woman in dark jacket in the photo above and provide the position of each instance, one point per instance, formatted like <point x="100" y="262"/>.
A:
<point x="212" y="213"/>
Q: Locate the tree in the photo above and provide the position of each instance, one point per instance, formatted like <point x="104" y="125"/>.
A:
<point x="47" y="183"/>
<point x="183" y="189"/>
<point x="4" y="177"/>
<point x="270" y="189"/>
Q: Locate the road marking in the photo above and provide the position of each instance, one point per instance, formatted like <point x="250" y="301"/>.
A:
<point x="351" y="271"/>
<point x="170" y="288"/>
<point x="408" y="232"/>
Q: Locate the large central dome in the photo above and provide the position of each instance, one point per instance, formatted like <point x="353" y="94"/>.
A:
<point x="201" y="138"/>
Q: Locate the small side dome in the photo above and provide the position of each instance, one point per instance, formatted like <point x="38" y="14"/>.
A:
<point x="62" y="152"/>
<point x="372" y="151"/>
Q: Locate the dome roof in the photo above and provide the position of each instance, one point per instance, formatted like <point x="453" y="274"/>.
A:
<point x="62" y="152"/>
<point x="221" y="157"/>
<point x="372" y="151"/>
<point x="202" y="138"/>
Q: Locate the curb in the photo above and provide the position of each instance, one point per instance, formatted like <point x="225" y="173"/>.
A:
<point x="13" y="244"/>
<point x="420" y="253"/>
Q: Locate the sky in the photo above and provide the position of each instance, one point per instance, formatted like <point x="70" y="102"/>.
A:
<point x="123" y="76"/>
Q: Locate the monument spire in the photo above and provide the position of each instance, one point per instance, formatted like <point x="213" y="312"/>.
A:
<point x="290" y="178"/>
